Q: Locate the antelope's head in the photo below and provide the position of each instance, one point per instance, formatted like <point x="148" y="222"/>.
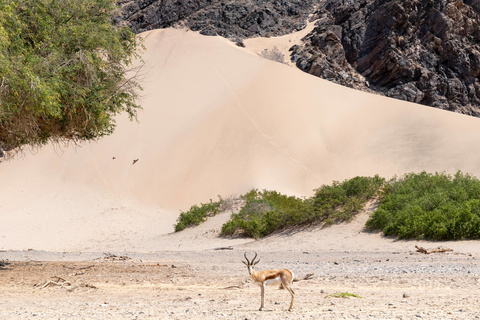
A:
<point x="250" y="264"/>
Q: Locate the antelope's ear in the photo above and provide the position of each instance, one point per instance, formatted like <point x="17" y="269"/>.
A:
<point x="256" y="262"/>
<point x="245" y="263"/>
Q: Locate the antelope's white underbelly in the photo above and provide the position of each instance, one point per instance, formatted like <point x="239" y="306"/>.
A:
<point x="273" y="281"/>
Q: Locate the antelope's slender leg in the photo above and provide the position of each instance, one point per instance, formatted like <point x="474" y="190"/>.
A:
<point x="262" y="288"/>
<point x="293" y="296"/>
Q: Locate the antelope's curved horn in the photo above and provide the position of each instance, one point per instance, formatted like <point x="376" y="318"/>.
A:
<point x="245" y="255"/>
<point x="253" y="260"/>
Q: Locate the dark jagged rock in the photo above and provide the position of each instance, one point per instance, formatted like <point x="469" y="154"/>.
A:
<point x="420" y="51"/>
<point x="423" y="51"/>
<point x="324" y="56"/>
<point x="231" y="19"/>
<point x="143" y="15"/>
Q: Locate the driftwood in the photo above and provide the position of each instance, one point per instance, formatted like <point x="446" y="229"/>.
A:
<point x="57" y="282"/>
<point x="238" y="286"/>
<point x="60" y="282"/>
<point x="306" y="277"/>
<point x="234" y="287"/>
<point x="88" y="286"/>
<point x="75" y="268"/>
<point x="435" y="250"/>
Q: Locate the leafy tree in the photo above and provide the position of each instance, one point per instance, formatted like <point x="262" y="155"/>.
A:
<point x="63" y="71"/>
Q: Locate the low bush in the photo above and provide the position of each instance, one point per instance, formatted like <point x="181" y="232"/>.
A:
<point x="416" y="206"/>
<point x="265" y="212"/>
<point x="341" y="201"/>
<point x="430" y="206"/>
<point x="197" y="214"/>
<point x="268" y="211"/>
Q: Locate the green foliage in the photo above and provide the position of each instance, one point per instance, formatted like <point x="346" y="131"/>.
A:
<point x="62" y="71"/>
<point x="430" y="206"/>
<point x="197" y="215"/>
<point x="268" y="211"/>
<point x="416" y="206"/>
<point x="265" y="212"/>
<point x="344" y="295"/>
<point x="341" y="201"/>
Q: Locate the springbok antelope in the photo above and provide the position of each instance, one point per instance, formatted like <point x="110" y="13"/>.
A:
<point x="270" y="277"/>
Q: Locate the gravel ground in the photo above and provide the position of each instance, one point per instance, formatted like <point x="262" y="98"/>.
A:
<point x="214" y="284"/>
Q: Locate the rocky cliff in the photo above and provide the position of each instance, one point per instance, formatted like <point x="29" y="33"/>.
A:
<point x="424" y="51"/>
<point x="237" y="19"/>
<point x="421" y="51"/>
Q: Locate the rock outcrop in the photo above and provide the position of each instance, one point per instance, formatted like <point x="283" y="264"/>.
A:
<point x="231" y="19"/>
<point x="423" y="51"/>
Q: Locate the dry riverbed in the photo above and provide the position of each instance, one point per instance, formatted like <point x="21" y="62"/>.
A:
<point x="214" y="284"/>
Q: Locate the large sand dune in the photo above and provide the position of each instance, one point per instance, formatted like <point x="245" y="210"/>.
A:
<point x="217" y="120"/>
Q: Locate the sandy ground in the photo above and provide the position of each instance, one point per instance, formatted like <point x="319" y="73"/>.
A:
<point x="215" y="285"/>
<point x="390" y="279"/>
<point x="85" y="232"/>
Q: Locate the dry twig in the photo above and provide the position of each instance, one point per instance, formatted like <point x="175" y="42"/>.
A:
<point x="58" y="282"/>
<point x="308" y="276"/>
<point x="75" y="268"/>
<point x="435" y="250"/>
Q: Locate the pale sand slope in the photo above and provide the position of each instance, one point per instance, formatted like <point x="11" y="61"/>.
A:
<point x="217" y="121"/>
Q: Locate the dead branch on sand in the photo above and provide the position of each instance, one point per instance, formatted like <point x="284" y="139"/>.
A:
<point x="237" y="286"/>
<point x="60" y="282"/>
<point x="88" y="286"/>
<point x="308" y="276"/>
<point x="435" y="250"/>
<point x="57" y="282"/>
<point x="75" y="268"/>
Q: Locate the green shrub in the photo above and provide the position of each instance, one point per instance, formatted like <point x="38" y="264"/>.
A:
<point x="265" y="212"/>
<point x="268" y="211"/>
<point x="362" y="187"/>
<point x="416" y="206"/>
<point x="341" y="201"/>
<point x="196" y="215"/>
<point x="430" y="206"/>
